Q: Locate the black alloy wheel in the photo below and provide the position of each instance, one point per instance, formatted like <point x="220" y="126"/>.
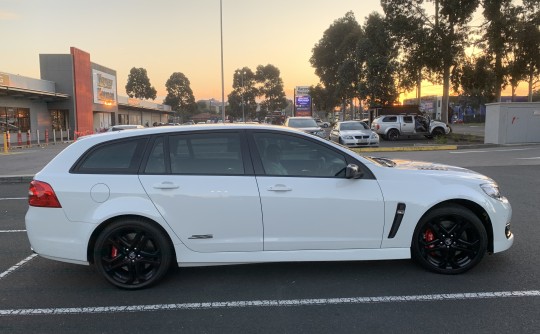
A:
<point x="449" y="240"/>
<point x="393" y="135"/>
<point x="132" y="254"/>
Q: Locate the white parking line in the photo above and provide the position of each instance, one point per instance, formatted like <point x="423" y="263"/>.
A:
<point x="12" y="231"/>
<point x="269" y="303"/>
<point x="13" y="198"/>
<point x="17" y="266"/>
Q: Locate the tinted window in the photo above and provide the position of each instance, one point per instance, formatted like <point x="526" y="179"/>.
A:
<point x="302" y="123"/>
<point x="156" y="159"/>
<point x="390" y="119"/>
<point x="294" y="156"/>
<point x="117" y="157"/>
<point x="218" y="153"/>
<point x="407" y="119"/>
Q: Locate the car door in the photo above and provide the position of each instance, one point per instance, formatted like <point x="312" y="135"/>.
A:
<point x="313" y="206"/>
<point x="407" y="126"/>
<point x="203" y="186"/>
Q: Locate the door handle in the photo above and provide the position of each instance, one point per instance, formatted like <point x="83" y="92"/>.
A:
<point x="279" y="187"/>
<point x="166" y="185"/>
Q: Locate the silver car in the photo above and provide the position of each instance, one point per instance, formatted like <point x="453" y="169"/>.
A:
<point x="354" y="134"/>
<point x="306" y="124"/>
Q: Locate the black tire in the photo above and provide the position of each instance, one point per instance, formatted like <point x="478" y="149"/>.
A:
<point x="132" y="254"/>
<point x="449" y="240"/>
<point x="438" y="132"/>
<point x="392" y="135"/>
<point x="340" y="141"/>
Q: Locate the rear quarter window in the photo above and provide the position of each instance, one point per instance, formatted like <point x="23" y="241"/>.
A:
<point x="119" y="157"/>
<point x="390" y="119"/>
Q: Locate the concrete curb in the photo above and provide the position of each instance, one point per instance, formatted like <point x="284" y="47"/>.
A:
<point x="406" y="148"/>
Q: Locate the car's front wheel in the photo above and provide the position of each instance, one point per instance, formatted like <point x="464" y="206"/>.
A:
<point x="132" y="254"/>
<point x="449" y="240"/>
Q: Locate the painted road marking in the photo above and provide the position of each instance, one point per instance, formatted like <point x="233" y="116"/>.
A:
<point x="531" y="158"/>
<point x="487" y="151"/>
<point x="17" y="266"/>
<point x="14" y="198"/>
<point x="12" y="231"/>
<point x="269" y="303"/>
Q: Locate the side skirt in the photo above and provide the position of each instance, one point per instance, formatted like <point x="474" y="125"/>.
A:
<point x="188" y="258"/>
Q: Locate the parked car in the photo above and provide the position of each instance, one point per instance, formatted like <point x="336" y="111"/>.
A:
<point x="306" y="124"/>
<point x="4" y="127"/>
<point x="134" y="202"/>
<point x="125" y="127"/>
<point x="321" y="123"/>
<point x="354" y="134"/>
<point x="392" y="127"/>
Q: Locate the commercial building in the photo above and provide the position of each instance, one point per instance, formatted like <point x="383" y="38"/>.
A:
<point x="73" y="97"/>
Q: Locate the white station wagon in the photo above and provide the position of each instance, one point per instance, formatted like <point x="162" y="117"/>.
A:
<point x="134" y="202"/>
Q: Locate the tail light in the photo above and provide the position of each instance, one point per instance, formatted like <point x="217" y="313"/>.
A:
<point x="378" y="126"/>
<point x="42" y="194"/>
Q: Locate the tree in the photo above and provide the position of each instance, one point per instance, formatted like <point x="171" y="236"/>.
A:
<point x="447" y="29"/>
<point x="138" y="85"/>
<point x="500" y="25"/>
<point x="270" y="88"/>
<point x="377" y="54"/>
<point x="179" y="95"/>
<point x="528" y="41"/>
<point x="335" y="60"/>
<point x="415" y="47"/>
<point x="323" y="99"/>
<point x="475" y="78"/>
<point x="243" y="94"/>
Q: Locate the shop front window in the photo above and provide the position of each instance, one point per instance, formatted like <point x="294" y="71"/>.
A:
<point x="14" y="119"/>
<point x="123" y="119"/>
<point x="59" y="119"/>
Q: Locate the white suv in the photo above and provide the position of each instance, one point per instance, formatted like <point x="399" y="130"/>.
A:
<point x="134" y="202"/>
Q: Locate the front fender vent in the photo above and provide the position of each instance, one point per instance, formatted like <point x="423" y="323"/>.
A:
<point x="400" y="212"/>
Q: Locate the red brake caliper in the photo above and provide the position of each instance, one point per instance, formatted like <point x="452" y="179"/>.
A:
<point x="429" y="237"/>
<point x="114" y="252"/>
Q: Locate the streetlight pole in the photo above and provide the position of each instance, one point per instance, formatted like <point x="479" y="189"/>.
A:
<point x="243" y="114"/>
<point x="222" y="75"/>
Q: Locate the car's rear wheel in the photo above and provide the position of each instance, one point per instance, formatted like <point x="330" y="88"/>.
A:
<point x="393" y="135"/>
<point x="449" y="240"/>
<point x="132" y="254"/>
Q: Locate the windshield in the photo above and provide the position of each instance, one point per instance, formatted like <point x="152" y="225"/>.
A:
<point x="353" y="126"/>
<point x="302" y="123"/>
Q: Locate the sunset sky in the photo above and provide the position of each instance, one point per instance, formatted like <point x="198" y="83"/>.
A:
<point x="166" y="36"/>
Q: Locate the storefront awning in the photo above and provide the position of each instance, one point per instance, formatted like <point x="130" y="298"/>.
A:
<point x="29" y="94"/>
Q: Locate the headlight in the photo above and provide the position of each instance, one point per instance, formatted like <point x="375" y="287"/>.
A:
<point x="492" y="190"/>
<point x="374" y="135"/>
<point x="347" y="137"/>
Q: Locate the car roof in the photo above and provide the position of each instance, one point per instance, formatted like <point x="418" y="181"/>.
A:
<point x="106" y="136"/>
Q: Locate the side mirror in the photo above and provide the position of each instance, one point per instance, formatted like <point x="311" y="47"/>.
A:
<point x="353" y="172"/>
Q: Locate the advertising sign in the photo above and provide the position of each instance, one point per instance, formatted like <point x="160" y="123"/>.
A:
<point x="302" y="105"/>
<point x="104" y="86"/>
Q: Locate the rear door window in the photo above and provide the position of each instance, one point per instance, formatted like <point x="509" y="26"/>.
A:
<point x="206" y="153"/>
